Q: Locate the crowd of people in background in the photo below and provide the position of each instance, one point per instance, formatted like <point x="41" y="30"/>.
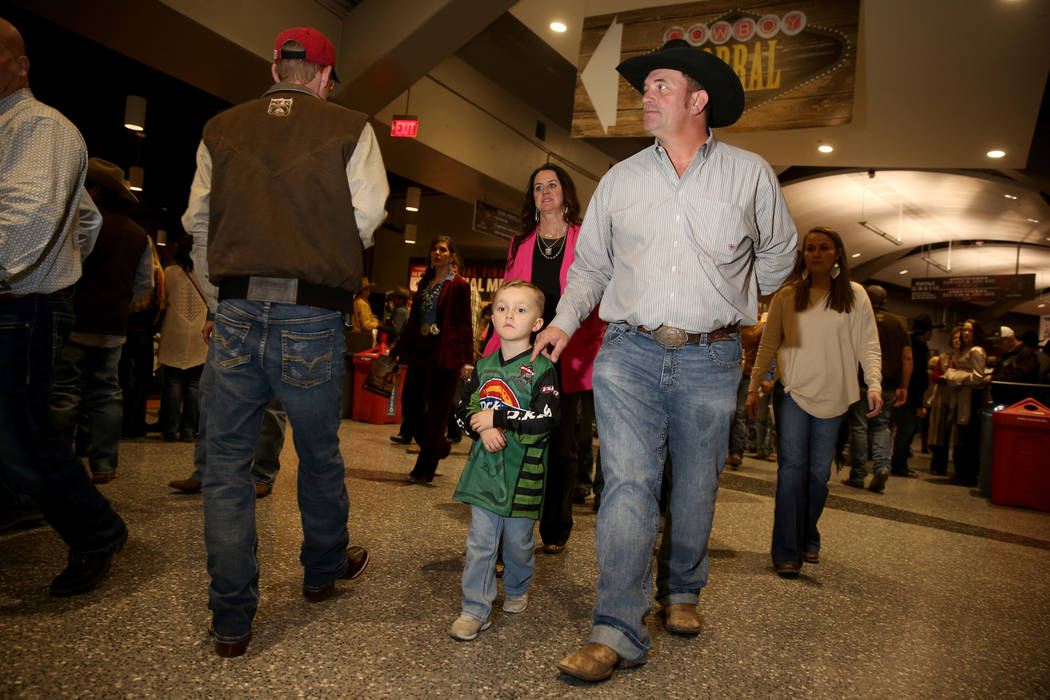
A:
<point x="660" y="345"/>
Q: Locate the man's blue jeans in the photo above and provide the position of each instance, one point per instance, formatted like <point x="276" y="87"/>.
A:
<point x="486" y="532"/>
<point x="738" y="426"/>
<point x="876" y="429"/>
<point x="34" y="454"/>
<point x="86" y="382"/>
<point x="651" y="403"/>
<point x="268" y="448"/>
<point x="805" y="449"/>
<point x="296" y="352"/>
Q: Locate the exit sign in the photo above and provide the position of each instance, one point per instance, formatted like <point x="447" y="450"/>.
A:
<point x="404" y="125"/>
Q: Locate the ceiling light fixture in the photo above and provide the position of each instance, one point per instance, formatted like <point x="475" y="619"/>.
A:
<point x="136" y="176"/>
<point x="903" y="272"/>
<point x="825" y="148"/>
<point x="135" y="113"/>
<point x="876" y="229"/>
<point x="855" y="255"/>
<point x="1010" y="196"/>
<point x="412" y="199"/>
<point x="996" y="153"/>
<point x="1032" y="221"/>
<point x="558" y="27"/>
<point x="410" y="233"/>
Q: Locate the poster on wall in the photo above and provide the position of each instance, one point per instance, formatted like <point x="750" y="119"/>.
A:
<point x="796" y="61"/>
<point x="483" y="275"/>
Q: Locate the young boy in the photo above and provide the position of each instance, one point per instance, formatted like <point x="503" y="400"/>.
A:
<point x="510" y="405"/>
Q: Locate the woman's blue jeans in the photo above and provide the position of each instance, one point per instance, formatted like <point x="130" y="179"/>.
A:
<point x="805" y="449"/>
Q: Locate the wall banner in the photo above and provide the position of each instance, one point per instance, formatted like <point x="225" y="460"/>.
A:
<point x="974" y="288"/>
<point x="796" y="61"/>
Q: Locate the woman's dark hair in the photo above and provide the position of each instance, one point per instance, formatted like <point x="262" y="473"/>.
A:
<point x="429" y="274"/>
<point x="183" y="246"/>
<point x="978" y="334"/>
<point x="528" y="207"/>
<point x="840" y="297"/>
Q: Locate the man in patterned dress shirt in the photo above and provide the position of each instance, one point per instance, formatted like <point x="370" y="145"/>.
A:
<point x="47" y="226"/>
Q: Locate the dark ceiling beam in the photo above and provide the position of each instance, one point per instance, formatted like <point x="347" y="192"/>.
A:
<point x="154" y="34"/>
<point x="405" y="55"/>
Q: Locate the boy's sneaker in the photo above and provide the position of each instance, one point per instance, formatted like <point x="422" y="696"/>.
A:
<point x="516" y="605"/>
<point x="466" y="628"/>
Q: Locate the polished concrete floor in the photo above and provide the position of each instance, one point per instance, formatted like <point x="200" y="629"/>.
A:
<point x="927" y="590"/>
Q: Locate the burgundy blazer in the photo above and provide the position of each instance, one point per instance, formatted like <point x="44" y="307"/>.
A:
<point x="456" y="338"/>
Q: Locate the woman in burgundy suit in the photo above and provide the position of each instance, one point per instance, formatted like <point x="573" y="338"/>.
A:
<point x="437" y="346"/>
<point x="542" y="254"/>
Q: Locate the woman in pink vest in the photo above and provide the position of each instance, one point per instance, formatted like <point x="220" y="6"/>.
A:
<point x="542" y="254"/>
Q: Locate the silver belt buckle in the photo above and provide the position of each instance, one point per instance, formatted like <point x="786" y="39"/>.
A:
<point x="429" y="329"/>
<point x="670" y="337"/>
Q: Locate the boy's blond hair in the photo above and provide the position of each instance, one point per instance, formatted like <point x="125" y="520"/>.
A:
<point x="521" y="284"/>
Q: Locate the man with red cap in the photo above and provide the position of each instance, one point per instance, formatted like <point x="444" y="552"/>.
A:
<point x="678" y="243"/>
<point x="288" y="192"/>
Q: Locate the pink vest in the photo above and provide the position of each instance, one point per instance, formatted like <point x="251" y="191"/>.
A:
<point x="577" y="360"/>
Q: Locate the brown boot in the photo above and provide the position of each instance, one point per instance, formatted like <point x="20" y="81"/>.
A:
<point x="186" y="485"/>
<point x="594" y="662"/>
<point x="682" y="618"/>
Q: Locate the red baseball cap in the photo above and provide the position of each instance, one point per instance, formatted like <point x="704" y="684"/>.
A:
<point x="316" y="47"/>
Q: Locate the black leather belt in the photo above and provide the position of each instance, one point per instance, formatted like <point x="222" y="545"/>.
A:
<point x="671" y="337"/>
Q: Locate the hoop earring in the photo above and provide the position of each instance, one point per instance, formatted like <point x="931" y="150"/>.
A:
<point x="835" y="270"/>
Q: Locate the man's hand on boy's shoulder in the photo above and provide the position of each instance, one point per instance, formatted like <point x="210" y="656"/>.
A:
<point x="493" y="439"/>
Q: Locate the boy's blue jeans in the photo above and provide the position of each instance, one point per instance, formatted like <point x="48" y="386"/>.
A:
<point x="479" y="574"/>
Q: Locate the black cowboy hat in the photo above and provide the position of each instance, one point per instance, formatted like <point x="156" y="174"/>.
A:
<point x="718" y="79"/>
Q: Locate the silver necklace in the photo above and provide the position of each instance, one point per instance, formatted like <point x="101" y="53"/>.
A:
<point x="553" y="250"/>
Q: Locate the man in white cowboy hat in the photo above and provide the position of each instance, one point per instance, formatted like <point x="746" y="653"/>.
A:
<point x="288" y="192"/>
<point x="119" y="269"/>
<point x="678" y="243"/>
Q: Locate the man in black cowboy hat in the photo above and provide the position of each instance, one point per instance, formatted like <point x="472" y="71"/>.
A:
<point x="678" y="243"/>
<point x="119" y="269"/>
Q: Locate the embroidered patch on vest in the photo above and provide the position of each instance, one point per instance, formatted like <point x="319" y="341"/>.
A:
<point x="280" y="106"/>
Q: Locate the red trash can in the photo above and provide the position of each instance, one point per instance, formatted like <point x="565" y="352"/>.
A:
<point x="369" y="407"/>
<point x="1021" y="461"/>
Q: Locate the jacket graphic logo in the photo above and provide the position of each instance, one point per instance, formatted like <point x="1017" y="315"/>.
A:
<point x="280" y="106"/>
<point x="495" y="394"/>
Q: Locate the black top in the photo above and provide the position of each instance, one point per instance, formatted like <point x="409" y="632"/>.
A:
<point x="546" y="274"/>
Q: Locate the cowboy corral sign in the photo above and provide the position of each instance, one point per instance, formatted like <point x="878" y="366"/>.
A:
<point x="796" y="61"/>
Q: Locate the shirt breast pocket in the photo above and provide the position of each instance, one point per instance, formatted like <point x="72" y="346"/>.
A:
<point x="719" y="232"/>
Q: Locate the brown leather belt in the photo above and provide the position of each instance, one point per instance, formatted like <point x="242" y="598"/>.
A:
<point x="671" y="337"/>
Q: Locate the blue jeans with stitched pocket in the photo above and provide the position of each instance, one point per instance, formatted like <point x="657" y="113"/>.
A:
<point x="652" y="403"/>
<point x="296" y="352"/>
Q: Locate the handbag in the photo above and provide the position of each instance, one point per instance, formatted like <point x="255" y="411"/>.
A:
<point x="382" y="378"/>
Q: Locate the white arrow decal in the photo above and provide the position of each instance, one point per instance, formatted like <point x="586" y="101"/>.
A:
<point x="600" y="79"/>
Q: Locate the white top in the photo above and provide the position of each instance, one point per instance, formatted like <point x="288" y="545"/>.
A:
<point x="181" y="344"/>
<point x="818" y="350"/>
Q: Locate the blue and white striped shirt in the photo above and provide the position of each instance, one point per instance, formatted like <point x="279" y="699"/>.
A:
<point x="693" y="252"/>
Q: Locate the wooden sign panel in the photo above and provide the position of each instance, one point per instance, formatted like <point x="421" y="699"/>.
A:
<point x="796" y="61"/>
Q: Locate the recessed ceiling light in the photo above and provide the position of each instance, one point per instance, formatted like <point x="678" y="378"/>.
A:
<point x="558" y="27"/>
<point x="825" y="148"/>
<point x="1040" y="306"/>
<point x="1010" y="196"/>
<point x="996" y="153"/>
<point x="1032" y="221"/>
<point x="855" y="255"/>
<point x="903" y="272"/>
